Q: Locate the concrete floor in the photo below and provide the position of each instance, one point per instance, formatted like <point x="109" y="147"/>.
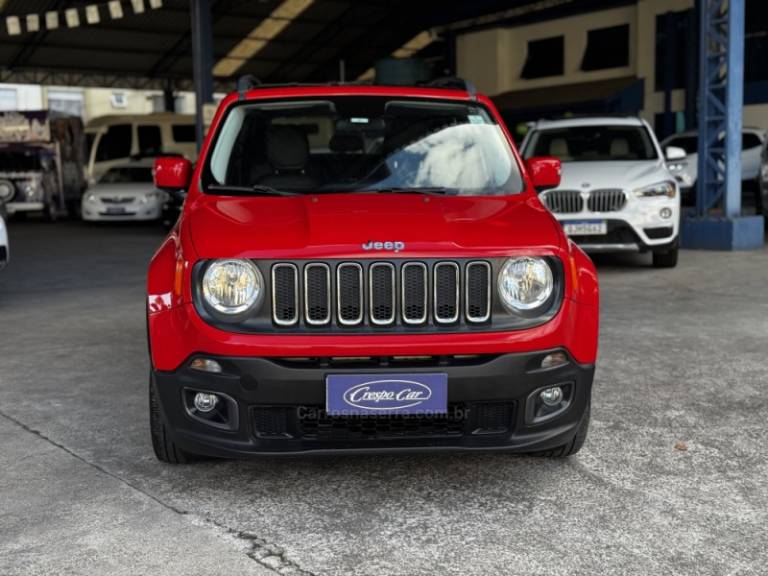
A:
<point x="683" y="359"/>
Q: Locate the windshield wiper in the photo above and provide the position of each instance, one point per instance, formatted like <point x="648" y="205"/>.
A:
<point x="429" y="191"/>
<point x="255" y="190"/>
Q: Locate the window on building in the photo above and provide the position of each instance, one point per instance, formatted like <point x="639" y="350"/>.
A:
<point x="9" y="99"/>
<point x="606" y="48"/>
<point x="184" y="132"/>
<point x="150" y="141"/>
<point x="546" y="57"/>
<point x="119" y="99"/>
<point x="675" y="50"/>
<point x="66" y="102"/>
<point x="115" y="143"/>
<point x="756" y="41"/>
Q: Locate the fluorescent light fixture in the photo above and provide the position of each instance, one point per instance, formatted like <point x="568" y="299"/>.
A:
<point x="52" y="20"/>
<point x="14" y="25"/>
<point x="407" y="50"/>
<point x="260" y="36"/>
<point x="33" y="23"/>
<point x="92" y="14"/>
<point x="138" y="6"/>
<point x="115" y="9"/>
<point x="72" y="17"/>
<point x="155" y="4"/>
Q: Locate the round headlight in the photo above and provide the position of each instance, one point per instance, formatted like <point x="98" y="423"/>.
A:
<point x="6" y="190"/>
<point x="525" y="283"/>
<point x="232" y="286"/>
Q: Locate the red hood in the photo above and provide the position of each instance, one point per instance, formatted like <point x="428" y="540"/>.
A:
<point x="337" y="225"/>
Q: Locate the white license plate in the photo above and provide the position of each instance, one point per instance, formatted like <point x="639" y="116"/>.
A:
<point x="586" y="227"/>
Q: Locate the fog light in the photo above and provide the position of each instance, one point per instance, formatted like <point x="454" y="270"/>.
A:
<point x="550" y="396"/>
<point x="207" y="402"/>
<point x="666" y="213"/>
<point x="205" y="365"/>
<point x="554" y="359"/>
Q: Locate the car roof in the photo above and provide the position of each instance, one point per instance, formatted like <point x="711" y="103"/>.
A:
<point x="313" y="90"/>
<point x="589" y="121"/>
<point x="688" y="133"/>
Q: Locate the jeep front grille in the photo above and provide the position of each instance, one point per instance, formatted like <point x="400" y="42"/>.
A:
<point x="606" y="200"/>
<point x="380" y="294"/>
<point x="563" y="201"/>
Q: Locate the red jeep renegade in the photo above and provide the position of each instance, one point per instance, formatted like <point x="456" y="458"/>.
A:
<point x="366" y="269"/>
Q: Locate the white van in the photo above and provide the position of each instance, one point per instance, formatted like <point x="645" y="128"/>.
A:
<point x="114" y="140"/>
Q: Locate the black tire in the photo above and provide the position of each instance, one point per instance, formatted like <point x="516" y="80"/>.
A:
<point x="165" y="449"/>
<point x="574" y="445"/>
<point x="666" y="259"/>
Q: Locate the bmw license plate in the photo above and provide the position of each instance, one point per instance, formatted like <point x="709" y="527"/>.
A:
<point x="585" y="227"/>
<point x="379" y="394"/>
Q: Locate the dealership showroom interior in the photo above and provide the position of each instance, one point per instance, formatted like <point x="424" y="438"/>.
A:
<point x="383" y="288"/>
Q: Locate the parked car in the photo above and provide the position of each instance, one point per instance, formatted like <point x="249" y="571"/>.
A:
<point x="115" y="140"/>
<point x="41" y="163"/>
<point x="5" y="252"/>
<point x="366" y="269"/>
<point x="686" y="170"/>
<point x="616" y="194"/>
<point x="124" y="192"/>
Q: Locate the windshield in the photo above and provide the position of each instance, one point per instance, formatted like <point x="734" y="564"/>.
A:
<point x="127" y="174"/>
<point x="20" y="160"/>
<point x="352" y="143"/>
<point x="593" y="144"/>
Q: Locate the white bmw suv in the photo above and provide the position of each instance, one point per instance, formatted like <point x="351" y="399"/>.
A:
<point x="616" y="193"/>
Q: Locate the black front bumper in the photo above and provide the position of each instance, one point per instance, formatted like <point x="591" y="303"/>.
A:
<point x="276" y="406"/>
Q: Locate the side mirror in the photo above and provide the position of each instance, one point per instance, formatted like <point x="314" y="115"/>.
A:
<point x="545" y="172"/>
<point x="172" y="173"/>
<point x="674" y="153"/>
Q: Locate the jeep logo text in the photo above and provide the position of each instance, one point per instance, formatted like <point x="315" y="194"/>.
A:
<point x="373" y="245"/>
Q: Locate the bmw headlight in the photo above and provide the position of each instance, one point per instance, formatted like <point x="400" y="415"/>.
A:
<point x="655" y="190"/>
<point x="525" y="283"/>
<point x="232" y="286"/>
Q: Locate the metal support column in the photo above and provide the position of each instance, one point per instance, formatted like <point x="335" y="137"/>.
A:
<point x="202" y="61"/>
<point x="721" y="88"/>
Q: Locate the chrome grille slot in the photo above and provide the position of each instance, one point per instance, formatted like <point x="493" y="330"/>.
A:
<point x="563" y="201"/>
<point x="349" y="293"/>
<point x="606" y="200"/>
<point x="446" y="292"/>
<point x="478" y="291"/>
<point x="380" y="295"/>
<point x="381" y="285"/>
<point x="285" y="294"/>
<point x="414" y="286"/>
<point x="317" y="293"/>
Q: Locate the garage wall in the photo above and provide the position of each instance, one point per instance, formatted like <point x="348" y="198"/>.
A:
<point x="493" y="59"/>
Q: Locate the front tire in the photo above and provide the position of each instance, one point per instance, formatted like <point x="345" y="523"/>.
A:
<point x="576" y="442"/>
<point x="666" y="259"/>
<point x="165" y="448"/>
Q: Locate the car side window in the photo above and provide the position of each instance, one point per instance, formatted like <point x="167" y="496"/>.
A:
<point x="183" y="132"/>
<point x="115" y="143"/>
<point x="749" y="140"/>
<point x="150" y="140"/>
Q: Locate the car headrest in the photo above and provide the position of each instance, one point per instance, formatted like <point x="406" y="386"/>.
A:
<point x="346" y="143"/>
<point x="559" y="147"/>
<point x="619" y="147"/>
<point x="287" y="148"/>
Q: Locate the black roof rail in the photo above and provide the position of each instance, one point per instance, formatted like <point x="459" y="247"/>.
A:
<point x="245" y="83"/>
<point x="453" y="82"/>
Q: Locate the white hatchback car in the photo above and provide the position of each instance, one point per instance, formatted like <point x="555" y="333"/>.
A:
<point x="616" y="193"/>
<point x="124" y="192"/>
